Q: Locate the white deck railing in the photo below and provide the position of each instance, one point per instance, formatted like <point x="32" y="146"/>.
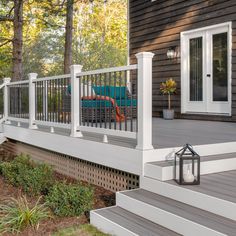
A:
<point x="113" y="101"/>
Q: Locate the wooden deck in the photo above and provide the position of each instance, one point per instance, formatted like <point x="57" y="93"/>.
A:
<point x="220" y="185"/>
<point x="170" y="133"/>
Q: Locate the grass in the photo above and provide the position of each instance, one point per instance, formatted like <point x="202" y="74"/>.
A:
<point x="83" y="230"/>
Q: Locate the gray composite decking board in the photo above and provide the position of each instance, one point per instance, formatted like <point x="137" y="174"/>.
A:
<point x="225" y="183"/>
<point x="203" y="158"/>
<point x="215" y="185"/>
<point x="134" y="223"/>
<point x="167" y="134"/>
<point x="191" y="213"/>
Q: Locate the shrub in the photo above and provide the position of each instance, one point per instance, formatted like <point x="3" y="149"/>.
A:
<point x="17" y="214"/>
<point x="69" y="200"/>
<point x="14" y="169"/>
<point x="37" y="180"/>
<point x="33" y="178"/>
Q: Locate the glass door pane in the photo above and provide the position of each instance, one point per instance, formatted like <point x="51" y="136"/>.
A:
<point x="220" y="67"/>
<point x="196" y="69"/>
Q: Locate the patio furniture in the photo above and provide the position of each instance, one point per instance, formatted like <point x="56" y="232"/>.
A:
<point x="103" y="103"/>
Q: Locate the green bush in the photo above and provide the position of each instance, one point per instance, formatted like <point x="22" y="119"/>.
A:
<point x="12" y="171"/>
<point x="69" y="200"/>
<point x="17" y="214"/>
<point x="37" y="180"/>
<point x="33" y="178"/>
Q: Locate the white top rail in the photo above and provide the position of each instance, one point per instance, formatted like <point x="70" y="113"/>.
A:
<point x="52" y="78"/>
<point x="108" y="70"/>
<point x="18" y="82"/>
<point x="2" y="85"/>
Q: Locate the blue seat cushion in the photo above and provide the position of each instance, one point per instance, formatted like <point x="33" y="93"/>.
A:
<point x="128" y="103"/>
<point x="96" y="103"/>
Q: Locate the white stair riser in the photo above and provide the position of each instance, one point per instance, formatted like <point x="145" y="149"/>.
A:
<point x="108" y="226"/>
<point x="207" y="167"/>
<point x="205" y="202"/>
<point x="164" y="218"/>
<point x="162" y="154"/>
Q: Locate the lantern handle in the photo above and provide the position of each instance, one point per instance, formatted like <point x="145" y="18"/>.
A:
<point x="187" y="147"/>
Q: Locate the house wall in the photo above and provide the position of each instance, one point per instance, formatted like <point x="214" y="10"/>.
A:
<point x="156" y="26"/>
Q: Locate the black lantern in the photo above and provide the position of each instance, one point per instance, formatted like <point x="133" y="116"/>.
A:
<point x="187" y="166"/>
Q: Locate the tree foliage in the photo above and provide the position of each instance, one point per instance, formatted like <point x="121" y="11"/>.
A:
<point x="99" y="35"/>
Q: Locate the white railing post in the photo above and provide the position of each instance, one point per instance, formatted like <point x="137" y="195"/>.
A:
<point x="144" y="134"/>
<point x="32" y="98"/>
<point x="75" y="101"/>
<point x="6" y="81"/>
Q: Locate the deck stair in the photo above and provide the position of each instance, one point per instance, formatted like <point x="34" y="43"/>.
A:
<point x="164" y="170"/>
<point x="165" y="208"/>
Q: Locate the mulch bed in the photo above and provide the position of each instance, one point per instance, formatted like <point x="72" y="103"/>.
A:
<point x="102" y="198"/>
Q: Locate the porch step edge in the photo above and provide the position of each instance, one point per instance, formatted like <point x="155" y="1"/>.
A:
<point x="202" y="201"/>
<point x="118" y="221"/>
<point x="165" y="171"/>
<point x="177" y="216"/>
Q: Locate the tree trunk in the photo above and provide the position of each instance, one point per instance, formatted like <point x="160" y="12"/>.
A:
<point x="68" y="36"/>
<point x="169" y="102"/>
<point x="17" y="40"/>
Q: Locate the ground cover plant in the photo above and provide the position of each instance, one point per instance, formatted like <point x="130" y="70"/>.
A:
<point x="33" y="178"/>
<point x="83" y="230"/>
<point x="64" y="202"/>
<point x="17" y="214"/>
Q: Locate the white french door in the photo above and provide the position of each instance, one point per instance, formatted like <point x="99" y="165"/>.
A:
<point x="206" y="70"/>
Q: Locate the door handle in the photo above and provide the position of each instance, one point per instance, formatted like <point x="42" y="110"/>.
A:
<point x="208" y="75"/>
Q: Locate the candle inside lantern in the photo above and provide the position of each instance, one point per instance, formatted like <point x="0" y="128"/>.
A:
<point x="188" y="177"/>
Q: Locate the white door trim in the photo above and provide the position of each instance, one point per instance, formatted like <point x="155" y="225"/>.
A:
<point x="185" y="64"/>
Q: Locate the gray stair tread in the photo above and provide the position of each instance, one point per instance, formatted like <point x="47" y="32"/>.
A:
<point x="205" y="218"/>
<point x="220" y="185"/>
<point x="134" y="223"/>
<point x="203" y="159"/>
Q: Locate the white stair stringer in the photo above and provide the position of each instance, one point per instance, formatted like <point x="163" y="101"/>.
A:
<point x="182" y="223"/>
<point x="200" y="200"/>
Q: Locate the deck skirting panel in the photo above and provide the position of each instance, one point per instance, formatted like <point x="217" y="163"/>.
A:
<point x="106" y="177"/>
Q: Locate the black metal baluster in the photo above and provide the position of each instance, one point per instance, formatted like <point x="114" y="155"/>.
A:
<point x="105" y="103"/>
<point x="89" y="109"/>
<point x="131" y="105"/>
<point x="96" y="102"/>
<point x="120" y="103"/>
<point x="126" y="107"/>
<point x="85" y="101"/>
<point x="65" y="96"/>
<point x="100" y="101"/>
<point x="91" y="93"/>
<point x="115" y="99"/>
<point x="50" y="100"/>
<point x="58" y="107"/>
<point x="53" y="100"/>
<point x="110" y="104"/>
<point x="41" y="100"/>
